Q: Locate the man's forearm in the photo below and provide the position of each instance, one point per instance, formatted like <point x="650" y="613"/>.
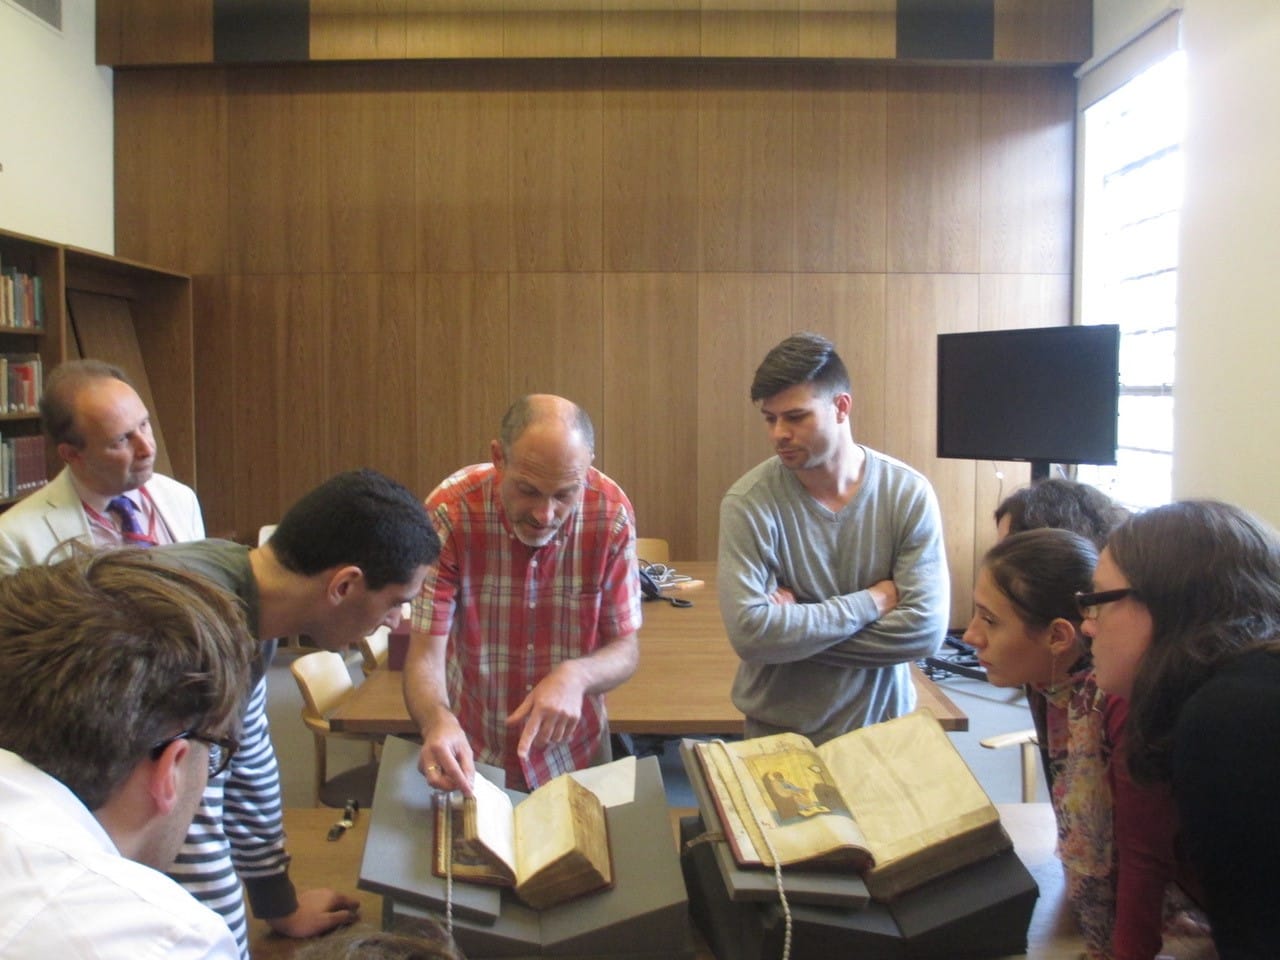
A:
<point x="425" y="689"/>
<point x="608" y="666"/>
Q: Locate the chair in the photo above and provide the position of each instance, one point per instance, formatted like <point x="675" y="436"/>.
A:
<point x="373" y="649"/>
<point x="1026" y="739"/>
<point x="325" y="682"/>
<point x="652" y="549"/>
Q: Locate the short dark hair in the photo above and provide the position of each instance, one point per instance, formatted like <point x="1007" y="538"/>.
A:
<point x="801" y="358"/>
<point x="1209" y="574"/>
<point x="1041" y="571"/>
<point x="57" y="401"/>
<point x="1064" y="504"/>
<point x="524" y="412"/>
<point x="420" y="939"/>
<point x="360" y="517"/>
<point x="104" y="655"/>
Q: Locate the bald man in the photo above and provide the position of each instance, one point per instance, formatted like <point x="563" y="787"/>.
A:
<point x="109" y="493"/>
<point x="532" y="612"/>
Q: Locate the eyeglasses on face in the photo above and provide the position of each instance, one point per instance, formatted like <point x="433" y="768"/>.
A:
<point x="221" y="749"/>
<point x="1088" y="603"/>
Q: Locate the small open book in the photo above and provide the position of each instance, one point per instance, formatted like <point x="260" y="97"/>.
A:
<point x="551" y="847"/>
<point x="893" y="801"/>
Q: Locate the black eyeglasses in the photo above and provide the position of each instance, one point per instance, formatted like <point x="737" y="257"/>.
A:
<point x="221" y="749"/>
<point x="1088" y="603"/>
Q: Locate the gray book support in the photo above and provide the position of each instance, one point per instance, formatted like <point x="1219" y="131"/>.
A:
<point x="644" y="914"/>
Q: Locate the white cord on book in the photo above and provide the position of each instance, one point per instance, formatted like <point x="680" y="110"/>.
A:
<point x="777" y="872"/>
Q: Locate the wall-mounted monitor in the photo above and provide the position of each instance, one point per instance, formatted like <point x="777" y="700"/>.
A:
<point x="1046" y="394"/>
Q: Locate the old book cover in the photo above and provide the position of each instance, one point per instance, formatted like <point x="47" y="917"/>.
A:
<point x="551" y="847"/>
<point x="894" y="801"/>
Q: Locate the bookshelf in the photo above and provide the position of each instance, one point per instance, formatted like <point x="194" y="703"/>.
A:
<point x="136" y="316"/>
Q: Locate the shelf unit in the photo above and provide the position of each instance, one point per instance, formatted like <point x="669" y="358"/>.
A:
<point x="150" y="336"/>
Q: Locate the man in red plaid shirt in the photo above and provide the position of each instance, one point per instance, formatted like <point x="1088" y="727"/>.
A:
<point x="532" y="612"/>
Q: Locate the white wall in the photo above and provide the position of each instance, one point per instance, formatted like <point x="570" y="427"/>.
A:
<point x="1226" y="442"/>
<point x="56" y="138"/>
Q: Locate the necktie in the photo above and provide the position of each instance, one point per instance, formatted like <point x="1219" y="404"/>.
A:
<point x="127" y="512"/>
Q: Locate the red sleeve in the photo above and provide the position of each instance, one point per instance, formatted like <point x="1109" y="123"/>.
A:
<point x="1146" y="824"/>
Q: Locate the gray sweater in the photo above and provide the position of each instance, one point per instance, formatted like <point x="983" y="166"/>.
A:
<point x="827" y="664"/>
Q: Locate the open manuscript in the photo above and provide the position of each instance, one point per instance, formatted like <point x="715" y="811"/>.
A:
<point x="894" y="802"/>
<point x="551" y="847"/>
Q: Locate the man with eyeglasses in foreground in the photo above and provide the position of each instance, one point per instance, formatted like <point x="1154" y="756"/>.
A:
<point x="341" y="562"/>
<point x="121" y="686"/>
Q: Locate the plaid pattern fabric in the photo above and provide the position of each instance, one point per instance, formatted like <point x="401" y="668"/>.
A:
<point x="513" y="612"/>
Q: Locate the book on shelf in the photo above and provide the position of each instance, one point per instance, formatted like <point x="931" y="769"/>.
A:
<point x="551" y="847"/>
<point x="21" y="382"/>
<point x="21" y="299"/>
<point x="894" y="802"/>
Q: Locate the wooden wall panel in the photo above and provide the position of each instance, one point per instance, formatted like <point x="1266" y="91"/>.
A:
<point x="367" y="160"/>
<point x="849" y="310"/>
<point x="219" y="450"/>
<point x="650" y="399"/>
<point x="556" y="332"/>
<point x="462" y="381"/>
<point x="840" y="174"/>
<point x="535" y="28"/>
<point x="388" y="253"/>
<point x="920" y="306"/>
<point x="650" y="168"/>
<point x="358" y="29"/>
<point x="746" y="167"/>
<point x="171" y="130"/>
<point x="849" y="28"/>
<point x="740" y="318"/>
<point x="276" y="189"/>
<point x="651" y="28"/>
<point x="306" y="370"/>
<point x="933" y="149"/>
<point x="750" y="28"/>
<point x="1045" y="31"/>
<point x="454" y="28"/>
<point x="140" y="28"/>
<point x="370" y="327"/>
<point x="462" y="150"/>
<point x="1028" y="137"/>
<point x="556" y="177"/>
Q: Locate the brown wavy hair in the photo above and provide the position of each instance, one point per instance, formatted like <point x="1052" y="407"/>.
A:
<point x="1209" y="573"/>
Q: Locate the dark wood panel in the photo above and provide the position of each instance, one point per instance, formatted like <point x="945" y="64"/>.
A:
<point x="746" y="167"/>
<point x="740" y="318"/>
<point x="276" y="184"/>
<point x="840" y="174"/>
<point x="650" y="163"/>
<point x="556" y="156"/>
<point x="935" y="152"/>
<point x="1028" y="144"/>
<point x="650" y="394"/>
<point x="1044" y="31"/>
<point x="218" y="448"/>
<point x="464" y="361"/>
<point x="556" y="334"/>
<point x="462" y="156"/>
<point x="171" y="168"/>
<point x="374" y="401"/>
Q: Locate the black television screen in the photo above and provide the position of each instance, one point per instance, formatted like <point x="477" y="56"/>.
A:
<point x="1047" y="394"/>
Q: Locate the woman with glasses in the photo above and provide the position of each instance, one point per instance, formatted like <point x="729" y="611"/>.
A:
<point x="1184" y="615"/>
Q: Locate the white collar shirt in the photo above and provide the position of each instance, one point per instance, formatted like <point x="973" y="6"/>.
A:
<point x="68" y="893"/>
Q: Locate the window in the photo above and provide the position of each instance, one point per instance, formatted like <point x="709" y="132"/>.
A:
<point x="1131" y="187"/>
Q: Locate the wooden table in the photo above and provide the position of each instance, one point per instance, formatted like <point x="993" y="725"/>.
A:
<point x="681" y="686"/>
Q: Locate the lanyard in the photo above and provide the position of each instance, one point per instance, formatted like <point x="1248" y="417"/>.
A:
<point x="131" y="539"/>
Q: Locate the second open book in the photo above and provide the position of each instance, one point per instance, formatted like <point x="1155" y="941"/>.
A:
<point x="893" y="801"/>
